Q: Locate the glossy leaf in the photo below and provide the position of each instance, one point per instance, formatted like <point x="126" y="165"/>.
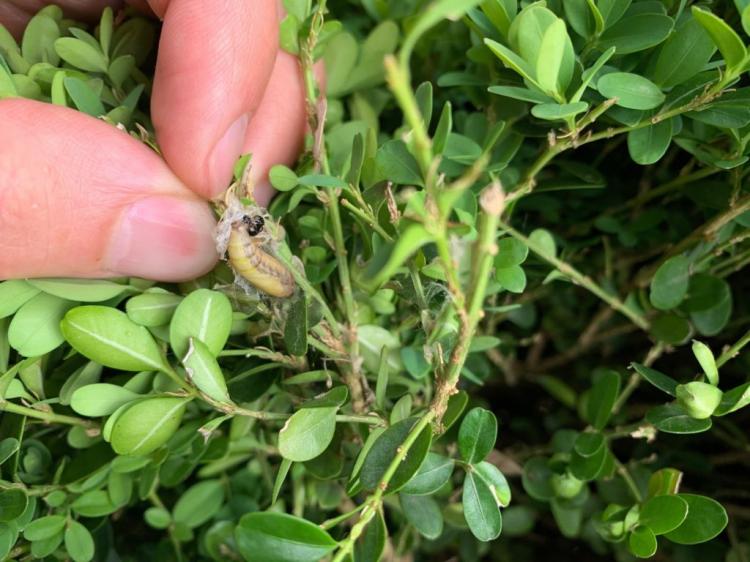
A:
<point x="147" y="425"/>
<point x="281" y="538"/>
<point x="480" y="509"/>
<point x="602" y="399"/>
<point x="663" y="514"/>
<point x="204" y="371"/>
<point x="307" y="433"/>
<point x="205" y="315"/>
<point x="706" y="518"/>
<point x="109" y="337"/>
<point x="431" y="476"/>
<point x="424" y="513"/>
<point x="385" y="449"/>
<point x="631" y="90"/>
<point x="670" y="283"/>
<point x="477" y="435"/>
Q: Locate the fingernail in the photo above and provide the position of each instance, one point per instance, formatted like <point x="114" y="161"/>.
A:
<point x="225" y="154"/>
<point x="163" y="238"/>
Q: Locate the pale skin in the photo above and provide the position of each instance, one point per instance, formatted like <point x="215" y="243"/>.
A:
<point x="80" y="198"/>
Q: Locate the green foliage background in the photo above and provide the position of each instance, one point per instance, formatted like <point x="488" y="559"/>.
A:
<point x="519" y="237"/>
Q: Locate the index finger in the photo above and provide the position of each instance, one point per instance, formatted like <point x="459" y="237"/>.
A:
<point x="215" y="60"/>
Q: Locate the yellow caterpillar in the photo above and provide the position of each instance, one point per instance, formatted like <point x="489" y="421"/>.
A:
<point x="248" y="259"/>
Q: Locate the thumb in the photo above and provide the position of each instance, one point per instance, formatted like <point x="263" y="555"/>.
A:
<point x="81" y="198"/>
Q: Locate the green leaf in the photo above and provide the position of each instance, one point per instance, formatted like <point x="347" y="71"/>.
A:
<point x="38" y="42"/>
<point x="706" y="518"/>
<point x="78" y="542"/>
<point x="699" y="399"/>
<point x="636" y="33"/>
<point x="715" y="309"/>
<point x="705" y="357"/>
<point x="424" y="513"/>
<point x="100" y="399"/>
<point x="14" y="294"/>
<point x="642" y="542"/>
<point x="523" y="94"/>
<point x="672" y="418"/>
<point x="589" y="443"/>
<point x="157" y="517"/>
<point x="496" y="481"/>
<point x="84" y="98"/>
<point x="80" y="290"/>
<point x="284" y="467"/>
<point x="35" y="328"/>
<point x="656" y="378"/>
<point x="663" y="514"/>
<point x="725" y="38"/>
<point x="431" y="476"/>
<point x="536" y="479"/>
<point x="199" y="503"/>
<point x="295" y="328"/>
<point x="480" y="509"/>
<point x="385" y="449"/>
<point x="152" y="309"/>
<point x="8" y="448"/>
<point x="510" y="252"/>
<point x="733" y="400"/>
<point x="81" y="55"/>
<point x="549" y="66"/>
<point x="13" y="503"/>
<point x="147" y="425"/>
<point x="513" y="61"/>
<point x="392" y="256"/>
<point x="395" y="163"/>
<point x="557" y="111"/>
<point x="94" y="503"/>
<point x="204" y="372"/>
<point x="477" y="435"/>
<point x="665" y="481"/>
<point x="443" y="129"/>
<point x="602" y="399"/>
<point x="283" y="178"/>
<point x="631" y="90"/>
<point x="205" y="315"/>
<point x="44" y="527"/>
<point x="683" y="55"/>
<point x="511" y="278"/>
<point x="281" y="538"/>
<point x="307" y="433"/>
<point x="109" y="337"/>
<point x="371" y="543"/>
<point x="670" y="283"/>
<point x="648" y="144"/>
<point x="589" y="74"/>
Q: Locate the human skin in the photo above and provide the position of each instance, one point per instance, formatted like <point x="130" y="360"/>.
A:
<point x="80" y="198"/>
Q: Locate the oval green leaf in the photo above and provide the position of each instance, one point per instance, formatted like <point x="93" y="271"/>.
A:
<point x="147" y="425"/>
<point x="109" y="337"/>
<point x="281" y="538"/>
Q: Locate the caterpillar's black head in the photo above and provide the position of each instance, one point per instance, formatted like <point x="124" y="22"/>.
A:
<point x="254" y="224"/>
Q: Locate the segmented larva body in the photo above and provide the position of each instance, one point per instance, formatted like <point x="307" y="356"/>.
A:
<point x="248" y="259"/>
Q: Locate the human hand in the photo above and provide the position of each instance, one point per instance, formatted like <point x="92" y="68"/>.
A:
<point x="80" y="198"/>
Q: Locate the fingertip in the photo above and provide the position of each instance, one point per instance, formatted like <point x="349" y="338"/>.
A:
<point x="212" y="71"/>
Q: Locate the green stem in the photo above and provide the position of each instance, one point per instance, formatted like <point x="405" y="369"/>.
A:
<point x="276" y="416"/>
<point x="47" y="417"/>
<point x="626" y="476"/>
<point x="331" y="523"/>
<point x="398" y="80"/>
<point x="583" y="280"/>
<point x="732" y="351"/>
<point x="373" y="503"/>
